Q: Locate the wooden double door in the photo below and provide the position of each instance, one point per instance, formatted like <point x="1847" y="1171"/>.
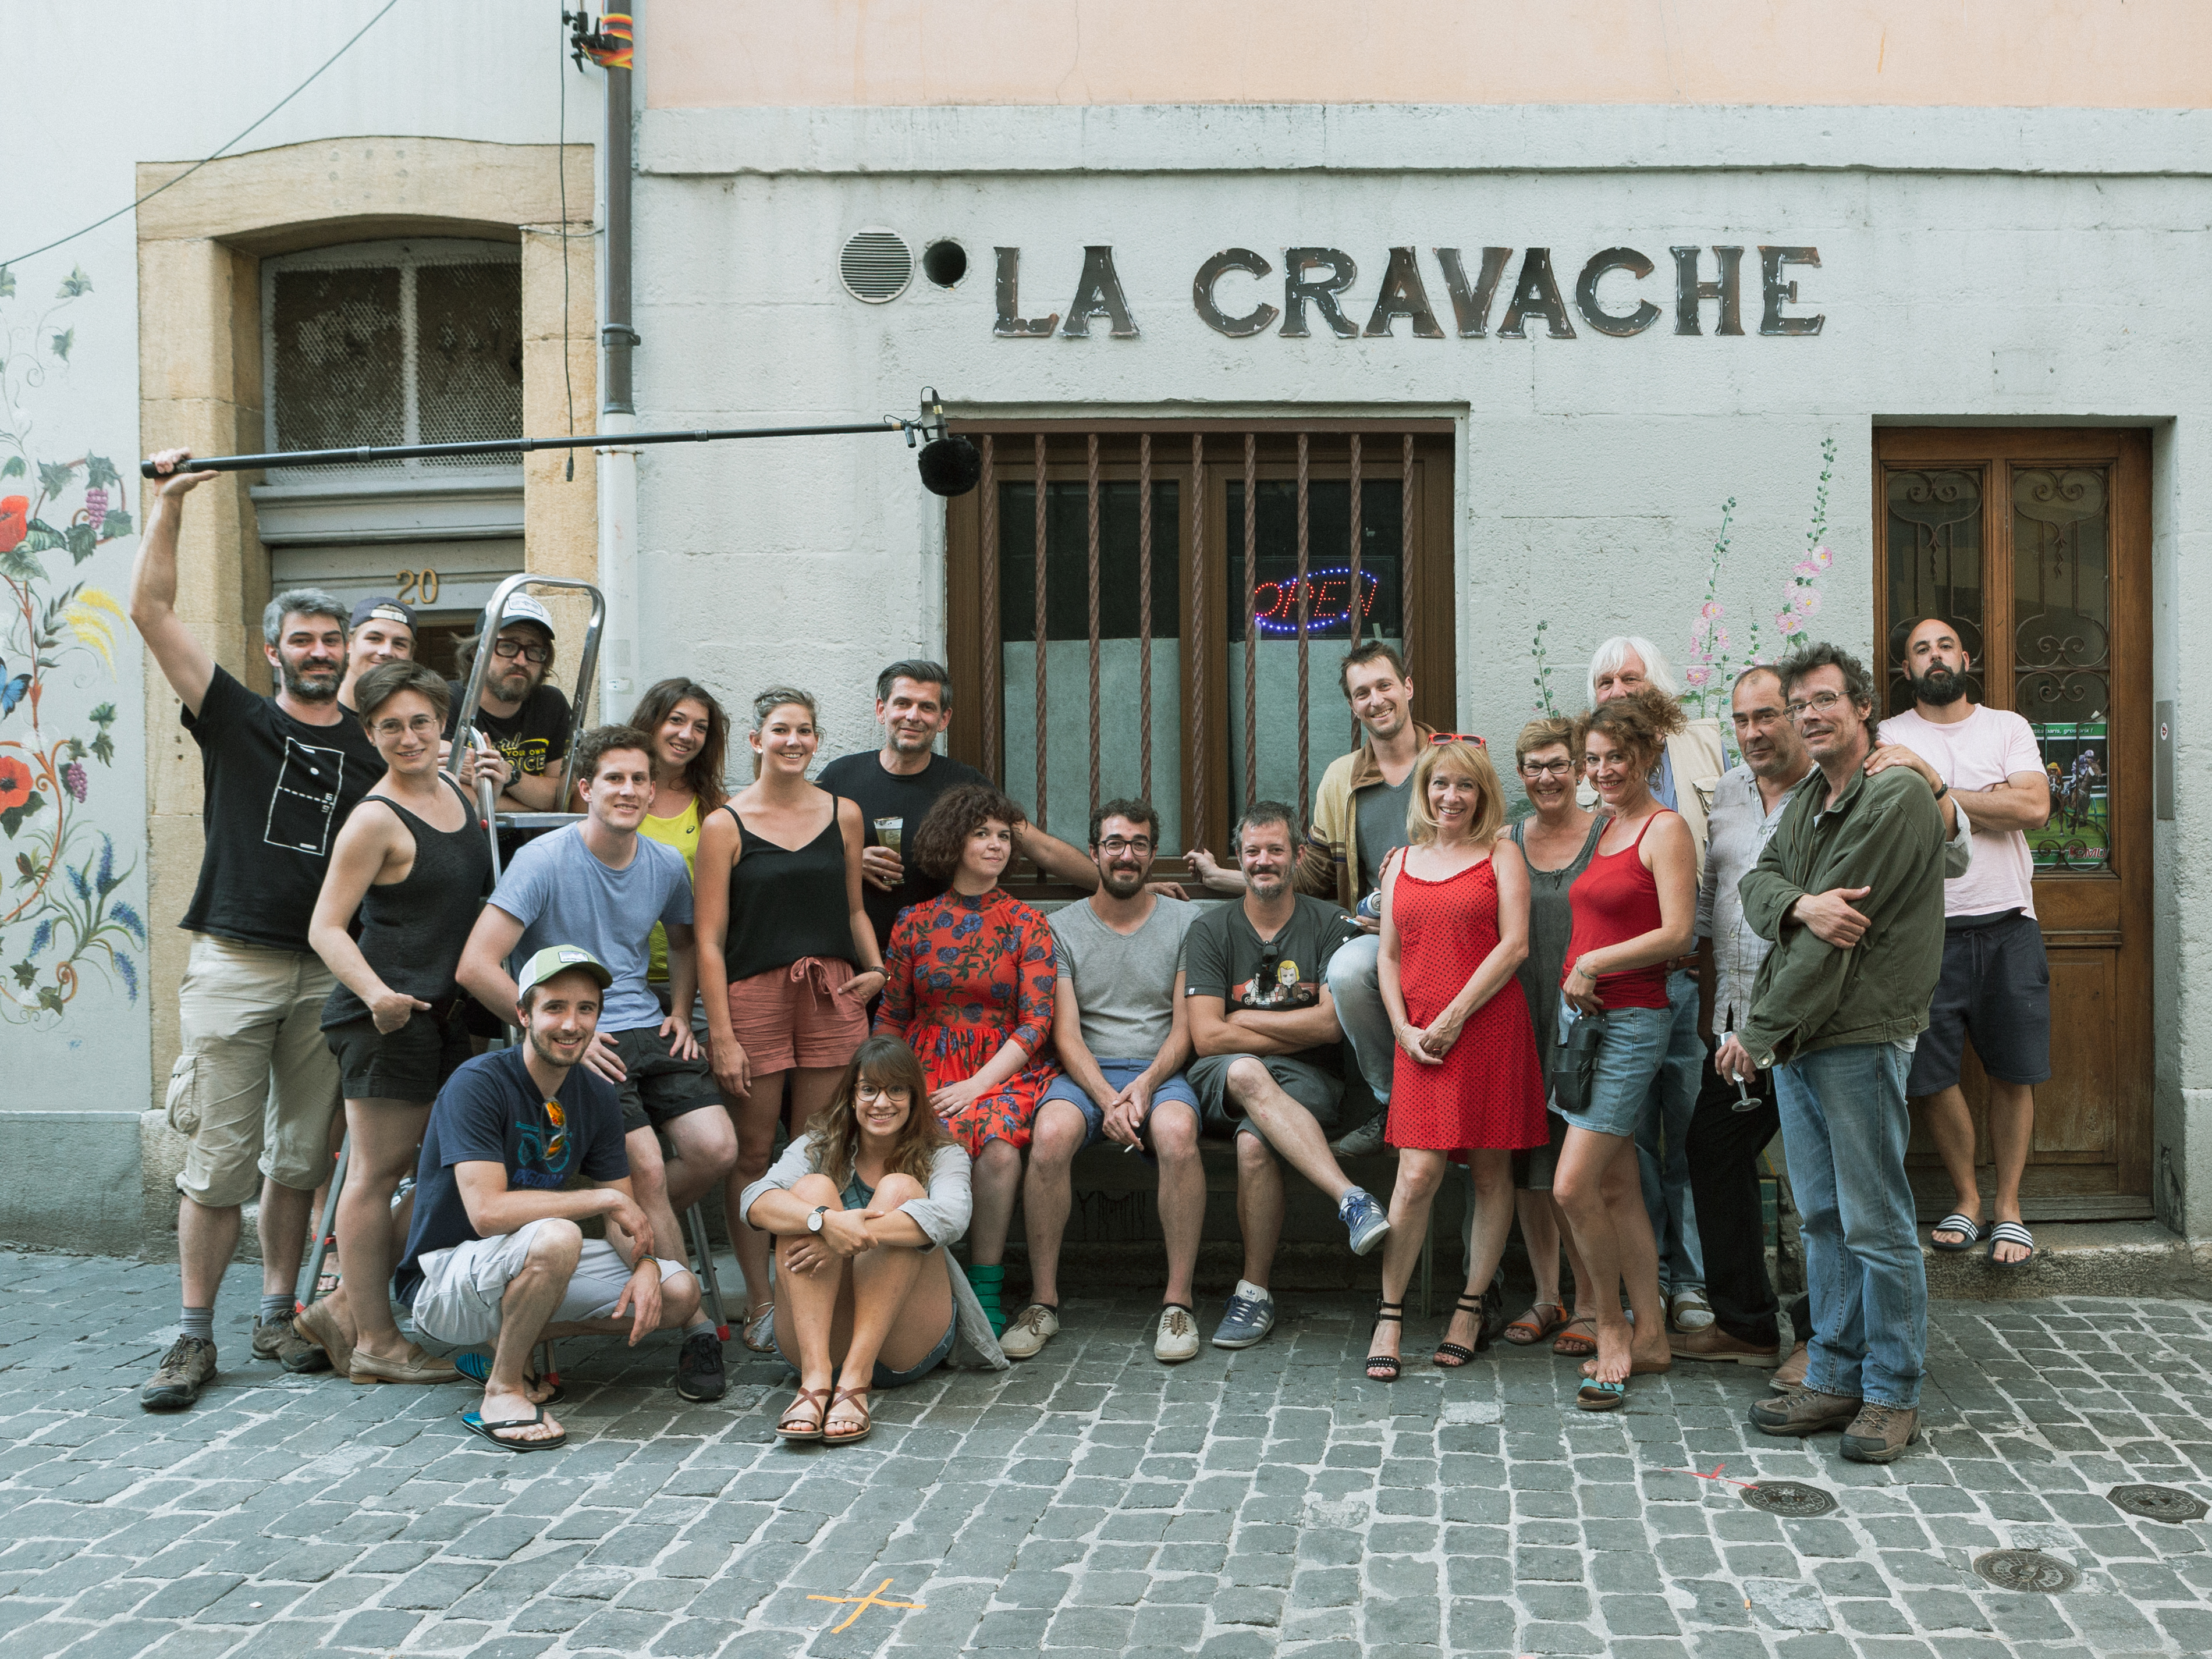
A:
<point x="2035" y="546"/>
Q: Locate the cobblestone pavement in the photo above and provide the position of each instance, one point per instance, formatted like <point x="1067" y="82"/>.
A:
<point x="1272" y="1501"/>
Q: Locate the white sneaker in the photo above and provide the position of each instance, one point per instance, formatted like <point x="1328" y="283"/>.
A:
<point x="1177" y="1337"/>
<point x="1032" y="1328"/>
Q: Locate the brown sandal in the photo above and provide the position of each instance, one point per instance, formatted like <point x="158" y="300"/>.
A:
<point x="860" y="1397"/>
<point x="1577" y="1348"/>
<point x="1533" y="1327"/>
<point x="819" y="1400"/>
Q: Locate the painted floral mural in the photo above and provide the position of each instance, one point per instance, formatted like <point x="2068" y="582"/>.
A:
<point x="67" y="901"/>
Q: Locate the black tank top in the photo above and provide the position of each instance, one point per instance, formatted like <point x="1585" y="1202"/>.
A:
<point x="412" y="930"/>
<point x="787" y="903"/>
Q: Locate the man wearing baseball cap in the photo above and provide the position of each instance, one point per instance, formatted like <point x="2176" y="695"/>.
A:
<point x="496" y="1257"/>
<point x="381" y="630"/>
<point x="524" y="718"/>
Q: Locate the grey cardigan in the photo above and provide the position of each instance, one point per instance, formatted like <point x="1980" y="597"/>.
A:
<point x="943" y="1218"/>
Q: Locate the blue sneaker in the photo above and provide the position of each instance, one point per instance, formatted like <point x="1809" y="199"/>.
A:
<point x="1365" y="1219"/>
<point x="1246" y="1322"/>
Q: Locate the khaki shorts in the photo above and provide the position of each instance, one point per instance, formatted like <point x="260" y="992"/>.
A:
<point x="255" y="1086"/>
<point x="459" y="1302"/>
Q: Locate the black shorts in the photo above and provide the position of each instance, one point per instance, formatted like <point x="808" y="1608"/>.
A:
<point x="1321" y="1094"/>
<point x="657" y="1085"/>
<point x="1995" y="989"/>
<point x="410" y="1064"/>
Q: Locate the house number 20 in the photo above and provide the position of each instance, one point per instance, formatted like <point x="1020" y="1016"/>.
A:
<point x="418" y="587"/>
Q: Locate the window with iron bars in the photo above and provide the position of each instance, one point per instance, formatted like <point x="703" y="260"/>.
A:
<point x="1172" y="645"/>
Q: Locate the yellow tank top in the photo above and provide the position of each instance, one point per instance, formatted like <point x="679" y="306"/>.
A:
<point x="681" y="832"/>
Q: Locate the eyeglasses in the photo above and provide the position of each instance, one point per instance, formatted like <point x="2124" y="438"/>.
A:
<point x="866" y="1090"/>
<point x="1547" y="768"/>
<point x="510" y="649"/>
<point x="423" y="724"/>
<point x="1439" y="739"/>
<point x="1115" y="846"/>
<point x="1819" y="702"/>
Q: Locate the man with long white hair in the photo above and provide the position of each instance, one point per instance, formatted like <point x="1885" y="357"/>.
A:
<point x="1688" y="774"/>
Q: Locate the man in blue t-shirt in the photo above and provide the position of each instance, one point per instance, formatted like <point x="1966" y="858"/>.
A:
<point x="495" y="1256"/>
<point x="601" y="886"/>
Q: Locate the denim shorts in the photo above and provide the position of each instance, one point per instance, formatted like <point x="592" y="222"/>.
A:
<point x="885" y="1377"/>
<point x="1628" y="1057"/>
<point x="1121" y="1073"/>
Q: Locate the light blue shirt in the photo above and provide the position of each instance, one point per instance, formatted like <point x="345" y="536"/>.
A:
<point x="560" y="893"/>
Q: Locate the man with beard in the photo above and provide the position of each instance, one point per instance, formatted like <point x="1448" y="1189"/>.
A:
<point x="1849" y="892"/>
<point x="1995" y="987"/>
<point x="1123" y="1036"/>
<point x="896" y="785"/>
<point x="525" y="720"/>
<point x="255" y="1085"/>
<point x="1263" y="1022"/>
<point x="522" y="1144"/>
<point x="1358" y="820"/>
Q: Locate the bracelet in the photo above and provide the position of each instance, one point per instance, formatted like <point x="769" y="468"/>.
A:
<point x="1941" y="790"/>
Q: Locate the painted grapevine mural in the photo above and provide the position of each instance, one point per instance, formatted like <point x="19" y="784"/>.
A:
<point x="69" y="904"/>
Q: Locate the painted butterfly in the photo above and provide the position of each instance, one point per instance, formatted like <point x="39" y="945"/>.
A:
<point x="12" y="690"/>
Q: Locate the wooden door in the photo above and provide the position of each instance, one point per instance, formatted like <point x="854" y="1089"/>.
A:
<point x="2035" y="546"/>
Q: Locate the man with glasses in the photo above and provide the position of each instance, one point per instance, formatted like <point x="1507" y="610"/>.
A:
<point x="1358" y="820"/>
<point x="1848" y="894"/>
<point x="1123" y="1036"/>
<point x="525" y="720"/>
<point x="1263" y="1020"/>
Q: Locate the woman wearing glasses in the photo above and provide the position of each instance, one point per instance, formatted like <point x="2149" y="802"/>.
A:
<point x="1635" y="909"/>
<point x="1557" y="843"/>
<point x="1455" y="929"/>
<point x="788" y="959"/>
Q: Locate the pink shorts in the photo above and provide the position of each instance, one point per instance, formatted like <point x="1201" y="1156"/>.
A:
<point x="793" y="1016"/>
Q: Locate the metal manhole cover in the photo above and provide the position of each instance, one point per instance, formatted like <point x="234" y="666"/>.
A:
<point x="1789" y="1497"/>
<point x="2025" y="1569"/>
<point x="2160" y="1503"/>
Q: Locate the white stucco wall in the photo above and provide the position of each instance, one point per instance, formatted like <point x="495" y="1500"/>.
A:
<point x="1999" y="267"/>
<point x="74" y="1082"/>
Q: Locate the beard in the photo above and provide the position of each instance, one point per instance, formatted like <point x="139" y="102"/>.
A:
<point x="310" y="685"/>
<point x="1122" y="883"/>
<point x="542" y="1047"/>
<point x="1939" y="687"/>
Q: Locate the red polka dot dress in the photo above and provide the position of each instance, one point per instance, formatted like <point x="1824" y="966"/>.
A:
<point x="1489" y="1091"/>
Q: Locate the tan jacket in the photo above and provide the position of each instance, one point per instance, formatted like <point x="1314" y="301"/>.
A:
<point x="1695" y="751"/>
<point x="1328" y="863"/>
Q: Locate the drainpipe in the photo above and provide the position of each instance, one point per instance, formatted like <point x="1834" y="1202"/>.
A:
<point x="617" y="467"/>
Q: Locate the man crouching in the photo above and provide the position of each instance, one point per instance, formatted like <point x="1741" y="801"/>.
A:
<point x="496" y="1257"/>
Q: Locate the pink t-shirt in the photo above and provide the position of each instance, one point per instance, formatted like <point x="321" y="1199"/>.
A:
<point x="1986" y="747"/>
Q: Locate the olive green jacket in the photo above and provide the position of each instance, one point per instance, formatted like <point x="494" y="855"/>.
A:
<point x="1887" y="833"/>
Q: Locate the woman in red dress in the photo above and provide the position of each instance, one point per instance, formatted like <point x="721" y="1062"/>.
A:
<point x="1455" y="929"/>
<point x="970" y="987"/>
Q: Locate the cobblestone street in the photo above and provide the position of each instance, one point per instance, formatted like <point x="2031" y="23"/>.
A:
<point x="1272" y="1501"/>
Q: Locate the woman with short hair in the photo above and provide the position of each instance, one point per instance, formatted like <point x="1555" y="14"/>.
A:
<point x="857" y="1204"/>
<point x="415" y="861"/>
<point x="1635" y="909"/>
<point x="970" y="988"/>
<point x="788" y="959"/>
<point x="1455" y="929"/>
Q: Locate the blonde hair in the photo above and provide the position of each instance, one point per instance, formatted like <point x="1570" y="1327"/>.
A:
<point x="1472" y="762"/>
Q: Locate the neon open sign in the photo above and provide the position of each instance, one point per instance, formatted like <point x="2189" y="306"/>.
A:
<point x="1328" y="595"/>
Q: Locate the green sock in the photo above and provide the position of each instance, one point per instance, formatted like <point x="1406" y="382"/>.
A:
<point x="987" y="1282"/>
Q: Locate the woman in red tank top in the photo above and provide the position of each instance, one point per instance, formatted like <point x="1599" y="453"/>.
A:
<point x="1635" y="909"/>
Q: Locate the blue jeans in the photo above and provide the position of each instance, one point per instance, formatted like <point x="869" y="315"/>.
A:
<point x="1662" y="1143"/>
<point x="1357" y="995"/>
<point x="1845" y="1126"/>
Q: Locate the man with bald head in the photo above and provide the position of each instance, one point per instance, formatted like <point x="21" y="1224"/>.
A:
<point x="1996" y="986"/>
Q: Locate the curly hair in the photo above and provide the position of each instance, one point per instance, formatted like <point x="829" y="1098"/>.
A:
<point x="886" y="1062"/>
<point x="604" y="741"/>
<point x="1641" y="724"/>
<point x="935" y="846"/>
<point x="1858" y="684"/>
<point x="703" y="773"/>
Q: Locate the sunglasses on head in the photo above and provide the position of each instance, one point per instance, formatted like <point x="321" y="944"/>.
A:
<point x="1439" y="739"/>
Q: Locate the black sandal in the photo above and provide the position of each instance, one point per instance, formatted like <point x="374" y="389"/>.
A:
<point x="1384" y="1367"/>
<point x="1450" y="1356"/>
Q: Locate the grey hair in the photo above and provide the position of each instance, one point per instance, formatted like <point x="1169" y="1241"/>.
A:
<point x="1657" y="671"/>
<point x="301" y="602"/>
<point x="1858" y="684"/>
<point x="776" y="697"/>
<point x="1262" y="812"/>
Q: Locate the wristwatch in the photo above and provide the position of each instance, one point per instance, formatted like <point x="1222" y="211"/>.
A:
<point x="814" y="1221"/>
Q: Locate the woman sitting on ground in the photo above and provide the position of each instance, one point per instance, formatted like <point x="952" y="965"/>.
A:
<point x="971" y="979"/>
<point x="857" y="1205"/>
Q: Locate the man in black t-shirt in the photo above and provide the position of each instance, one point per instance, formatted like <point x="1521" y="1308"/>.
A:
<point x="494" y="1257"/>
<point x="524" y="718"/>
<point x="255" y="1087"/>
<point x="897" y="784"/>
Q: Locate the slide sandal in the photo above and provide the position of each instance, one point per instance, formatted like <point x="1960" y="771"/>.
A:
<point x="474" y="1423"/>
<point x="1968" y="1232"/>
<point x="1596" y="1396"/>
<point x="2011" y="1232"/>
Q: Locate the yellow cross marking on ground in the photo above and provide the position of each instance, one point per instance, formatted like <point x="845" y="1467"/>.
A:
<point x="872" y="1599"/>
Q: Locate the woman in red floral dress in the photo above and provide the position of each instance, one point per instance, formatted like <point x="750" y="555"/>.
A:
<point x="970" y="987"/>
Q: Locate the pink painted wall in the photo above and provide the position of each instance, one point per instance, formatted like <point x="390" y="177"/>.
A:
<point x="2080" y="53"/>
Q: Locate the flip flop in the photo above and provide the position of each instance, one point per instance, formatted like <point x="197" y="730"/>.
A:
<point x="474" y="1423"/>
<point x="477" y="1367"/>
<point x="1596" y="1396"/>
<point x="1571" y="1346"/>
<point x="1533" y="1327"/>
<point x="1954" y="1222"/>
<point x="2011" y="1232"/>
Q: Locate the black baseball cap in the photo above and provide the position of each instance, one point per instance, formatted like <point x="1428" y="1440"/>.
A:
<point x="381" y="606"/>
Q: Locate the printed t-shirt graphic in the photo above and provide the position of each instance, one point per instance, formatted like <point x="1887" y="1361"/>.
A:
<point x="305" y="798"/>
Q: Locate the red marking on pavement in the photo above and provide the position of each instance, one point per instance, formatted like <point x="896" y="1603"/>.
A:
<point x="1715" y="1475"/>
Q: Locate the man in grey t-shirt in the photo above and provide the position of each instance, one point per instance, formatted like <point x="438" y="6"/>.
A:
<point x="1118" y="1024"/>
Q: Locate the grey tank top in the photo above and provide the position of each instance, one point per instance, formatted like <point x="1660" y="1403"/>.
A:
<point x="412" y="931"/>
<point x="1551" y="924"/>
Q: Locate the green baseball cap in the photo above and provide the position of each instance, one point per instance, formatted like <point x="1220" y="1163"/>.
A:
<point x="559" y="959"/>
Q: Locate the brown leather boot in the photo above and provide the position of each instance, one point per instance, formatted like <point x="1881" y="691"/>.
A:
<point x="1792" y="1374"/>
<point x="1803" y="1412"/>
<point x="1713" y="1343"/>
<point x="1880" y="1433"/>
